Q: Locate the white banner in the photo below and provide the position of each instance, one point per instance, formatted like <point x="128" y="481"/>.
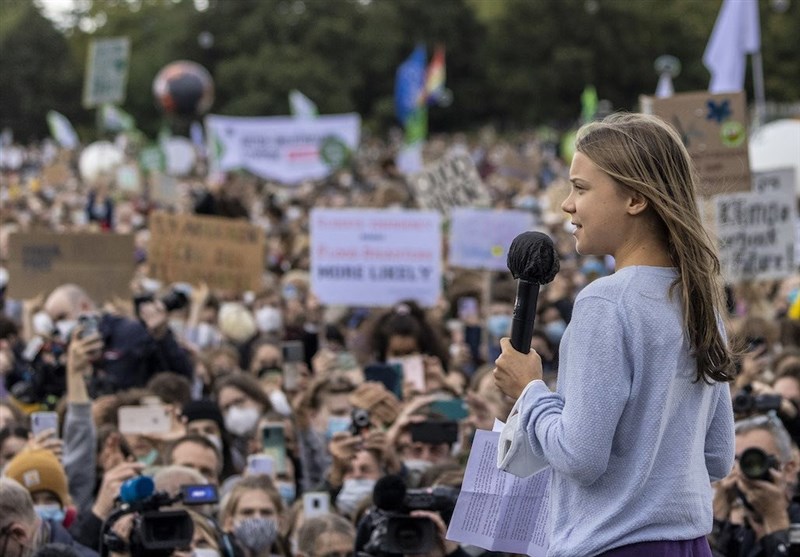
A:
<point x="480" y="238"/>
<point x="756" y="230"/>
<point x="375" y="257"/>
<point x="453" y="181"/>
<point x="106" y="71"/>
<point x="282" y="148"/>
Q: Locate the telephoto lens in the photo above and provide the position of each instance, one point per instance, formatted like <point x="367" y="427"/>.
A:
<point x="755" y="464"/>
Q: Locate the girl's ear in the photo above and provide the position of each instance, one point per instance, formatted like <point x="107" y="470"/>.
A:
<point x="637" y="203"/>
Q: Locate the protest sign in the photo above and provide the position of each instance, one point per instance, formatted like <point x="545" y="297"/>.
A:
<point x="756" y="230"/>
<point x="163" y="189"/>
<point x="453" y="181"/>
<point x="479" y="238"/>
<point x="225" y="253"/>
<point x="713" y="129"/>
<point x="106" y="71"/>
<point x="102" y="264"/>
<point x="285" y="149"/>
<point x="374" y="257"/>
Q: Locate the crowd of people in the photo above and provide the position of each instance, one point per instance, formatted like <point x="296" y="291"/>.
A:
<point x="287" y="416"/>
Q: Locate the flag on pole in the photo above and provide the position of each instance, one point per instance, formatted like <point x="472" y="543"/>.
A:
<point x="301" y="106"/>
<point x="409" y="84"/>
<point x="61" y="130"/>
<point x="435" y="77"/>
<point x="588" y="103"/>
<point x="736" y="33"/>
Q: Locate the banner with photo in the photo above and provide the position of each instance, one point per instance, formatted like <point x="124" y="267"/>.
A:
<point x="756" y="230"/>
<point x="282" y="148"/>
<point x="375" y="257"/>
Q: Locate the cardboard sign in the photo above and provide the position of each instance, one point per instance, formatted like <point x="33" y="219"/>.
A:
<point x="451" y="182"/>
<point x="714" y="130"/>
<point x="374" y="257"/>
<point x="102" y="264"/>
<point x="106" y="71"/>
<point x="756" y="230"/>
<point x="480" y="238"/>
<point x="225" y="253"/>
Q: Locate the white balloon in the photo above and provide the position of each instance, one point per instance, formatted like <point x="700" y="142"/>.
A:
<point x="180" y="156"/>
<point x="777" y="145"/>
<point x="99" y="158"/>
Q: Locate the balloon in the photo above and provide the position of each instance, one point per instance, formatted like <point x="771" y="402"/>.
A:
<point x="184" y="88"/>
<point x="99" y="158"/>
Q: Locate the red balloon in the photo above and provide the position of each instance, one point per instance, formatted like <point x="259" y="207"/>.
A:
<point x="184" y="88"/>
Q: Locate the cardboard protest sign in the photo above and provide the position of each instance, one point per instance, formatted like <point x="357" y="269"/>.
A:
<point x="453" y="181"/>
<point x="375" y="257"/>
<point x="285" y="149"/>
<point x="102" y="264"/>
<point x="106" y="71"/>
<point x="713" y="128"/>
<point x="225" y="253"/>
<point x="756" y="230"/>
<point x="480" y="238"/>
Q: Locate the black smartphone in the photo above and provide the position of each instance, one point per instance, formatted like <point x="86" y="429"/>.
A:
<point x="434" y="432"/>
<point x="391" y="375"/>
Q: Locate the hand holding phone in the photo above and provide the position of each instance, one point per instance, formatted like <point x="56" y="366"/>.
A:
<point x="42" y="421"/>
<point x="261" y="464"/>
<point x="144" y="420"/>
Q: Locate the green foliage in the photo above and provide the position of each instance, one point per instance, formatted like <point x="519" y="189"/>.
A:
<point x="513" y="63"/>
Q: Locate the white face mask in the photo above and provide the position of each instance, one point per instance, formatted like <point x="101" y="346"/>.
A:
<point x="416" y="468"/>
<point x="205" y="552"/>
<point x="42" y="324"/>
<point x="216" y="441"/>
<point x="241" y="420"/>
<point x="353" y="492"/>
<point x="65" y="328"/>
<point x="268" y="319"/>
<point x="280" y="403"/>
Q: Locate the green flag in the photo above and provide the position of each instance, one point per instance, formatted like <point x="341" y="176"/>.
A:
<point x="588" y="104"/>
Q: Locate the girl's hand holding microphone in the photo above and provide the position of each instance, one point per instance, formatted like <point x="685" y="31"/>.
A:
<point x="514" y="370"/>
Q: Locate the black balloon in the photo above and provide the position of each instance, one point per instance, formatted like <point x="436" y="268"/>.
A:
<point x="184" y="88"/>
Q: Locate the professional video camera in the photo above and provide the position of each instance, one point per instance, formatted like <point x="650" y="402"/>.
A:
<point x="392" y="530"/>
<point x="155" y="532"/>
<point x="176" y="298"/>
<point x="746" y="403"/>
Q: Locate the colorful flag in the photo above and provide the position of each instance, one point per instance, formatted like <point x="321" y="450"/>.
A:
<point x="301" y="106"/>
<point x="61" y="130"/>
<point x="435" y="77"/>
<point x="409" y="84"/>
<point x="736" y="33"/>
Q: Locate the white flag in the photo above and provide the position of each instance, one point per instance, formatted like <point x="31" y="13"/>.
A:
<point x="736" y="33"/>
<point x="301" y="106"/>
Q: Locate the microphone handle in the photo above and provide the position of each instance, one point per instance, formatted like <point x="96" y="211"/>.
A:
<point x="524" y="315"/>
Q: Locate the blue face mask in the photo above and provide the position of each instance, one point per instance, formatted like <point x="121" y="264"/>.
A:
<point x="499" y="325"/>
<point x="555" y="330"/>
<point x="50" y="512"/>
<point x="288" y="492"/>
<point x="150" y="458"/>
<point x="337" y="424"/>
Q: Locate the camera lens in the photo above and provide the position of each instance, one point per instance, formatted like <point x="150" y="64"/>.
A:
<point x="755" y="464"/>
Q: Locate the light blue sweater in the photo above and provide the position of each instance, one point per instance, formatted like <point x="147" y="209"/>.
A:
<point x="632" y="440"/>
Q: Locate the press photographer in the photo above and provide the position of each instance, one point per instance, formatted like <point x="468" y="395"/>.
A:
<point x="755" y="507"/>
<point x="133" y="350"/>
<point x="407" y="521"/>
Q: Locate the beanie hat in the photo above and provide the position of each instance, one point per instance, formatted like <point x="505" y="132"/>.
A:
<point x="203" y="410"/>
<point x="39" y="470"/>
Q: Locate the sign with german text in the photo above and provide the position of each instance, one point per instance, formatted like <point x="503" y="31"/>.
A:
<point x="756" y="230"/>
<point x="375" y="257"/>
<point x="225" y="253"/>
<point x="101" y="264"/>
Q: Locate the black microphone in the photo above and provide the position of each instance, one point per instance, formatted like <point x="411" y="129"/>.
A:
<point x="389" y="493"/>
<point x="533" y="260"/>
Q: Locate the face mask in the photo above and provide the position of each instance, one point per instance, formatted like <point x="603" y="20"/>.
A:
<point x="52" y="512"/>
<point x="335" y="425"/>
<point x="42" y="324"/>
<point x="205" y="552"/>
<point x="499" y="325"/>
<point x="416" y="468"/>
<point x="288" y="492"/>
<point x="206" y="334"/>
<point x="150" y="458"/>
<point x="555" y="330"/>
<point x="280" y="403"/>
<point x="65" y="327"/>
<point x="353" y="492"/>
<point x="241" y="420"/>
<point x="268" y="319"/>
<point x="216" y="441"/>
<point x="256" y="533"/>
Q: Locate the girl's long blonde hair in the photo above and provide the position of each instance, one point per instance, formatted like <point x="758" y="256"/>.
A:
<point x="646" y="155"/>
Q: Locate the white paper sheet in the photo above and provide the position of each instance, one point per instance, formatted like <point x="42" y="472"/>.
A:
<point x="498" y="511"/>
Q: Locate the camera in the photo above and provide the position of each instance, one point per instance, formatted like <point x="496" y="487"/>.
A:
<point x="747" y="403"/>
<point x="177" y="298"/>
<point x="359" y="421"/>
<point x="393" y="530"/>
<point x="155" y="532"/>
<point x="755" y="464"/>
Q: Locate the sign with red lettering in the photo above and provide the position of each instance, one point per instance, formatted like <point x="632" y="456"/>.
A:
<point x="375" y="257"/>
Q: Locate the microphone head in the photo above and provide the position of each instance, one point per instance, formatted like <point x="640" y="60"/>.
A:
<point x="389" y="493"/>
<point x="532" y="257"/>
<point x="136" y="489"/>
